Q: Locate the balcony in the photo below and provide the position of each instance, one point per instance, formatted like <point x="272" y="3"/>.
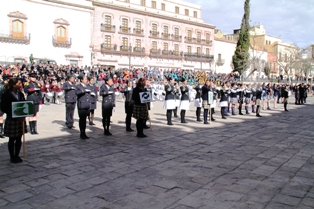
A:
<point x="188" y="56"/>
<point x="140" y="51"/>
<point x="208" y="42"/>
<point x="125" y="48"/>
<point x="188" y="39"/>
<point x="61" y="43"/>
<point x="165" y="35"/>
<point x="107" y="28"/>
<point x="15" y="39"/>
<point x="220" y="62"/>
<point x="138" y="32"/>
<point x="154" y="34"/>
<point x="177" y="38"/>
<point x="165" y="54"/>
<point x="125" y="30"/>
<point x="108" y="48"/>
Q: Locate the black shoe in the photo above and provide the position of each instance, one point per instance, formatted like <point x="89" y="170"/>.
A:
<point x="286" y="110"/>
<point x="141" y="135"/>
<point x="268" y="108"/>
<point x="129" y="130"/>
<point x="241" y="113"/>
<point x="91" y="123"/>
<point x="169" y="124"/>
<point x="199" y="120"/>
<point x="226" y="115"/>
<point x="107" y="133"/>
<point x="175" y="116"/>
<point x="18" y="159"/>
<point x="223" y="117"/>
<point x="258" y="116"/>
<point x="206" y="122"/>
<point x="13" y="160"/>
<point x="212" y="119"/>
<point x="184" y="121"/>
<point x="82" y="136"/>
<point x="146" y="127"/>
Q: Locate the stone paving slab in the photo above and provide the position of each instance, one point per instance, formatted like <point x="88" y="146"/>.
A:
<point x="241" y="162"/>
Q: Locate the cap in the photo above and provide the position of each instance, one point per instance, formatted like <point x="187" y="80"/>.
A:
<point x="70" y="76"/>
<point x="6" y="77"/>
<point x="33" y="75"/>
<point x="80" y="76"/>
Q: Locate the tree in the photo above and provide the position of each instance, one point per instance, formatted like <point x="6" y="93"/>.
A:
<point x="241" y="54"/>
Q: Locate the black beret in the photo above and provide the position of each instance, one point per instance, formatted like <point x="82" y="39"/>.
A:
<point x="183" y="79"/>
<point x="70" y="76"/>
<point x="34" y="75"/>
<point x="81" y="76"/>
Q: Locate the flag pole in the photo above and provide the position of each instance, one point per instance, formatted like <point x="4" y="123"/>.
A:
<point x="24" y="141"/>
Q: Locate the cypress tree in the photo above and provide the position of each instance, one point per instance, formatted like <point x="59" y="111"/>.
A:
<point x="241" y="55"/>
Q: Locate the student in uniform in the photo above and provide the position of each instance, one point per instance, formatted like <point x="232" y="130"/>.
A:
<point x="82" y="92"/>
<point x="185" y="103"/>
<point x="108" y="103"/>
<point x="70" y="100"/>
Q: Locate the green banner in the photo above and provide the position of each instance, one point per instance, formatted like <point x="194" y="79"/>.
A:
<point x="23" y="109"/>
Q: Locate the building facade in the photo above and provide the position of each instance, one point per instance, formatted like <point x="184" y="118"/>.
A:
<point x="49" y="30"/>
<point x="154" y="34"/>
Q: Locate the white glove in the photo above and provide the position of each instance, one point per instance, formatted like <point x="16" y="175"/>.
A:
<point x="93" y="94"/>
<point x="72" y="87"/>
<point x="87" y="90"/>
<point x="110" y="92"/>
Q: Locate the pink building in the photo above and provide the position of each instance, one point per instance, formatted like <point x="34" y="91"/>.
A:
<point x="144" y="33"/>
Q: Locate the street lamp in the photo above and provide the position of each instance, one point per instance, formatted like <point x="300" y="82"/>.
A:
<point x="130" y="49"/>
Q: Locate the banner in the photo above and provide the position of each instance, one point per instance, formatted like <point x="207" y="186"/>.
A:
<point x="23" y="109"/>
<point x="210" y="97"/>
<point x="145" y="97"/>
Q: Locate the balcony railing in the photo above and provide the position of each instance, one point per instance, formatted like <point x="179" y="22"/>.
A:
<point x="125" y="29"/>
<point x="137" y="31"/>
<point x="108" y="47"/>
<point x="14" y="39"/>
<point x="107" y="28"/>
<point x="198" y="57"/>
<point x="125" y="48"/>
<point x="154" y="34"/>
<point x="167" y="54"/>
<point x="177" y="38"/>
<point x="220" y="62"/>
<point x="188" y="39"/>
<point x="208" y="42"/>
<point x="139" y="49"/>
<point x="165" y="35"/>
<point x="62" y="43"/>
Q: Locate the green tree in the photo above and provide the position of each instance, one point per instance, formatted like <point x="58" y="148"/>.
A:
<point x="241" y="55"/>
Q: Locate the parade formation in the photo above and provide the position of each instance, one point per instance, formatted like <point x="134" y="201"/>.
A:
<point x="85" y="88"/>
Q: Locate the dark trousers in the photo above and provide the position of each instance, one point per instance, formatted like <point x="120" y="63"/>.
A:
<point x="169" y="113"/>
<point x="128" y="118"/>
<point x="14" y="146"/>
<point x="106" y="120"/>
<point x="223" y="113"/>
<point x="83" y="113"/>
<point x="140" y="126"/>
<point x="205" y="115"/>
<point x="69" y="114"/>
<point x="198" y="113"/>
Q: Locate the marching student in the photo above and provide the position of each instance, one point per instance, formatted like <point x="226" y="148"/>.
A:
<point x="169" y="103"/>
<point x="108" y="103"/>
<point x="185" y="103"/>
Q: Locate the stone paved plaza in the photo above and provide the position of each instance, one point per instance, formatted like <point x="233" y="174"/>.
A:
<point x="242" y="162"/>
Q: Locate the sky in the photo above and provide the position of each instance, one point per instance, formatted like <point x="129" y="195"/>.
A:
<point x="291" y="20"/>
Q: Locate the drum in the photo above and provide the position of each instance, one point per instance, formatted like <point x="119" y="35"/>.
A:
<point x="50" y="94"/>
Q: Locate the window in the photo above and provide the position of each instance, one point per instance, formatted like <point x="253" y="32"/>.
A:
<point x="165" y="50"/>
<point x="125" y="25"/>
<point x="138" y="27"/>
<point x="189" y="35"/>
<point x="207" y="38"/>
<point x="154" y="30"/>
<point x="195" y="14"/>
<point x="198" y="51"/>
<point x="154" y="4"/>
<point x="138" y="43"/>
<point x="125" y="43"/>
<point x="177" y="10"/>
<point x="207" y="51"/>
<point x="17" y="29"/>
<point x="143" y="2"/>
<point x="176" y="49"/>
<point x="107" y="42"/>
<point x="61" y="34"/>
<point x="107" y="20"/>
<point x="163" y="6"/>
<point x="198" y="37"/>
<point x="189" y="49"/>
<point x="165" y="32"/>
<point x="186" y="12"/>
<point x="154" y="45"/>
<point x="176" y="33"/>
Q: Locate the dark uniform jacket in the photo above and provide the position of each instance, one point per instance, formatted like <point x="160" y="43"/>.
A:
<point x="128" y="103"/>
<point x="198" y="90"/>
<point x="93" y="97"/>
<point x="223" y="95"/>
<point x="184" y="92"/>
<point x="108" y="97"/>
<point x="259" y="94"/>
<point x="136" y="96"/>
<point x="69" y="90"/>
<point x="83" y="96"/>
<point x="33" y="91"/>
<point x="205" y="90"/>
<point x="285" y="94"/>
<point x="170" y="92"/>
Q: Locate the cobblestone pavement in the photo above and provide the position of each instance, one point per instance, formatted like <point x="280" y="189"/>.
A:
<point x="242" y="162"/>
